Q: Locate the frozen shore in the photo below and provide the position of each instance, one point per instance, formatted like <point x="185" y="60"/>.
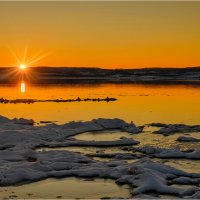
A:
<point x="20" y="162"/>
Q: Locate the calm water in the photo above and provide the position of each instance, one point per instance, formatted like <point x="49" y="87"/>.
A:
<point x="67" y="188"/>
<point x="138" y="103"/>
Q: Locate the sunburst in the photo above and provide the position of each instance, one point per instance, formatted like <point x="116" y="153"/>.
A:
<point x="22" y="67"/>
<point x="24" y="62"/>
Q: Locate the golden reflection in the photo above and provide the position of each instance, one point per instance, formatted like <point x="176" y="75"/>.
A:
<point x="141" y="104"/>
<point x="22" y="87"/>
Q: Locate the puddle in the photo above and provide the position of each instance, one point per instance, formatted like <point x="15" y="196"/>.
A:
<point x="103" y="135"/>
<point x="165" y="196"/>
<point x="89" y="150"/>
<point x="190" y="166"/>
<point x="84" y="150"/>
<point x="67" y="188"/>
<point x="158" y="140"/>
<point x="182" y="186"/>
<point x="145" y="138"/>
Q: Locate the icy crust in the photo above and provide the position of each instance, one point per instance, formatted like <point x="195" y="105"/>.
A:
<point x="20" y="163"/>
<point x="4" y="120"/>
<point x="81" y="143"/>
<point x="187" y="139"/>
<point x="169" y="153"/>
<point x="120" y="156"/>
<point x="143" y="176"/>
<point x="149" y="151"/>
<point x="168" y="129"/>
<point x="22" y="136"/>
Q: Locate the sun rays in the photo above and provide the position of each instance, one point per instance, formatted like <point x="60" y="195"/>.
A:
<point x="26" y="58"/>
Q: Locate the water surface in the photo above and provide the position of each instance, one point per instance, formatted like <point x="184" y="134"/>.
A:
<point x="138" y="103"/>
<point x="67" y="188"/>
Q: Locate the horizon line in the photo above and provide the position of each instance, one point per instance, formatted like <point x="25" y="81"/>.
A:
<point x="82" y="67"/>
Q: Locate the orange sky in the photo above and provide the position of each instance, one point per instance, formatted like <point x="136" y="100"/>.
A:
<point x="101" y="34"/>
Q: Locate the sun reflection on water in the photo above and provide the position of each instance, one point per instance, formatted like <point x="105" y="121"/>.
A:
<point x="23" y="87"/>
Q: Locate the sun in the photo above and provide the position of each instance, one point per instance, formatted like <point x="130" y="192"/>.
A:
<point x="22" y="67"/>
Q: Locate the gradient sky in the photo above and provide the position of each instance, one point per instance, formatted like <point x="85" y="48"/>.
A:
<point x="101" y="34"/>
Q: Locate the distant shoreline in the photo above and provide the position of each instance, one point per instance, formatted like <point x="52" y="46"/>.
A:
<point x="66" y="75"/>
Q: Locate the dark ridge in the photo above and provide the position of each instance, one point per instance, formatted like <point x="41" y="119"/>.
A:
<point x="61" y="75"/>
<point x="78" y="99"/>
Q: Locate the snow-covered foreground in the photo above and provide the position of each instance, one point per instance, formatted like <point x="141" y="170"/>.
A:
<point x="22" y="162"/>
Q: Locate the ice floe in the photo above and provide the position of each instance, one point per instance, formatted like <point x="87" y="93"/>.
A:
<point x="21" y="163"/>
<point x="168" y="129"/>
<point x="187" y="139"/>
<point x="169" y="153"/>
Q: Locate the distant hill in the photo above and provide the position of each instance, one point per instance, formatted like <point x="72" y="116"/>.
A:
<point x="54" y="75"/>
